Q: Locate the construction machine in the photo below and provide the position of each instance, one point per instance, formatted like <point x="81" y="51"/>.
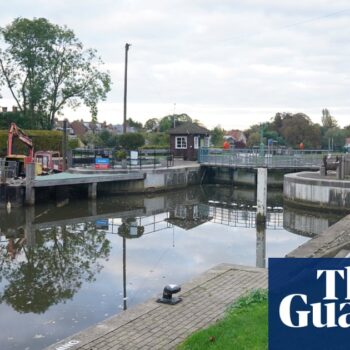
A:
<point x="21" y="159"/>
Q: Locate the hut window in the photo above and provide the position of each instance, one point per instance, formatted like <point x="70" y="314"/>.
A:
<point x="181" y="142"/>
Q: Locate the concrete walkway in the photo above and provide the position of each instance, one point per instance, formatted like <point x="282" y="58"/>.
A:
<point x="157" y="326"/>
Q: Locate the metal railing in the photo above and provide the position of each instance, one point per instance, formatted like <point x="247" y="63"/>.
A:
<point x="141" y="158"/>
<point x="252" y="158"/>
<point x="8" y="169"/>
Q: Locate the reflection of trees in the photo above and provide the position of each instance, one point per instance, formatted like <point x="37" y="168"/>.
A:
<point x="130" y="229"/>
<point x="53" y="270"/>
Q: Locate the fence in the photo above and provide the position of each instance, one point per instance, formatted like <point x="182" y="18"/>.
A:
<point x="277" y="158"/>
<point x="8" y="170"/>
<point x="137" y="159"/>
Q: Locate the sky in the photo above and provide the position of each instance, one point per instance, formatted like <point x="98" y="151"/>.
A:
<point x="231" y="63"/>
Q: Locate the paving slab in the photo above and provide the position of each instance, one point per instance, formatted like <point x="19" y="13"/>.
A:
<point x="157" y="326"/>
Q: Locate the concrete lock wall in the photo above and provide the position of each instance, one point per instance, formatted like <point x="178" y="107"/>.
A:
<point x="242" y="177"/>
<point x="156" y="180"/>
<point x="303" y="189"/>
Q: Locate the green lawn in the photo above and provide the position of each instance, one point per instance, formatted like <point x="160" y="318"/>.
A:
<point x="243" y="327"/>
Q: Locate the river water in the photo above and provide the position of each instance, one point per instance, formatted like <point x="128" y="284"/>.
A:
<point x="68" y="265"/>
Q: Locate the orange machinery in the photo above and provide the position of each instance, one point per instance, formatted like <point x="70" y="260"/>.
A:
<point x="21" y="159"/>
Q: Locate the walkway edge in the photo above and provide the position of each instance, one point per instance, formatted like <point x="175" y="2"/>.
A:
<point x="111" y="324"/>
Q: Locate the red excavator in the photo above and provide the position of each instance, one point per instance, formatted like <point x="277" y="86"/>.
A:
<point x="46" y="162"/>
<point x="21" y="159"/>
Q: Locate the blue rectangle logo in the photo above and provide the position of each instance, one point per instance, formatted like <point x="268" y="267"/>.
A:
<point x="309" y="303"/>
<point x="102" y="161"/>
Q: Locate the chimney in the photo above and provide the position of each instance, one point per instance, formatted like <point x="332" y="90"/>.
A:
<point x="4" y="109"/>
<point x="14" y="109"/>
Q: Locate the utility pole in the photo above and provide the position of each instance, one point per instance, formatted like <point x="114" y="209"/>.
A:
<point x="125" y="84"/>
<point x="174" y="115"/>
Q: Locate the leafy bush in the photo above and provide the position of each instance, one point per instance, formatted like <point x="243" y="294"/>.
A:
<point x="131" y="141"/>
<point x="157" y="140"/>
<point x="121" y="154"/>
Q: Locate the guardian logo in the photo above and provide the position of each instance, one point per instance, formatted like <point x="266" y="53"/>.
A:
<point x="309" y="304"/>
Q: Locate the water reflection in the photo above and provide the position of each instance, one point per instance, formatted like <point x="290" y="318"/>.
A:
<point x="46" y="266"/>
<point x="100" y="256"/>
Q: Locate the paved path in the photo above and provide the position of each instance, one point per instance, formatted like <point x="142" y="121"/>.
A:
<point x="157" y="326"/>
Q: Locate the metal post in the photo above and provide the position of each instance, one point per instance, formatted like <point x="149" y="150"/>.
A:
<point x="124" y="275"/>
<point x="64" y="145"/>
<point x="261" y="196"/>
<point x="30" y="191"/>
<point x="260" y="246"/>
<point x="125" y="84"/>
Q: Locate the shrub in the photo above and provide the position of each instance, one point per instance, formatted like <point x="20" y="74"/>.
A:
<point x="43" y="140"/>
<point x="131" y="141"/>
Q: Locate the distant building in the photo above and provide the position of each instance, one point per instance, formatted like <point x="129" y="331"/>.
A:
<point x="186" y="139"/>
<point x="236" y="138"/>
<point x="347" y="144"/>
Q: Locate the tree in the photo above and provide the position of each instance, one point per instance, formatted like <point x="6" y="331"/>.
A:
<point x="107" y="139"/>
<point x="334" y="137"/>
<point x="131" y="141"/>
<point x="55" y="269"/>
<point x="134" y="124"/>
<point x="297" y="128"/>
<point x="217" y="136"/>
<point x="151" y="124"/>
<point x="327" y="120"/>
<point x="168" y="121"/>
<point x="45" y="67"/>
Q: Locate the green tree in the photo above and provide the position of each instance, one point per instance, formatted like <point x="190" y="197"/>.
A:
<point x="253" y="139"/>
<point x="297" y="128"/>
<point x="158" y="139"/>
<point x="131" y="141"/>
<point x="334" y="137"/>
<point x="168" y="121"/>
<point x="55" y="269"/>
<point x="107" y="139"/>
<point x="151" y="124"/>
<point x="134" y="124"/>
<point x="45" y="67"/>
<point x="217" y="136"/>
<point x="327" y="120"/>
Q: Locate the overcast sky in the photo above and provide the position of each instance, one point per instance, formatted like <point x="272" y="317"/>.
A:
<point x="227" y="62"/>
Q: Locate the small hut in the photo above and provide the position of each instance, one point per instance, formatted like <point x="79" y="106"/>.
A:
<point x="186" y="139"/>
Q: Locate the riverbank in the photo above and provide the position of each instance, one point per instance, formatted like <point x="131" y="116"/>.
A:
<point x="158" y="326"/>
<point x="205" y="299"/>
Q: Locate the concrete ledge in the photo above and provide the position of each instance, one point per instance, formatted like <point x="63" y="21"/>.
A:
<point x="312" y="190"/>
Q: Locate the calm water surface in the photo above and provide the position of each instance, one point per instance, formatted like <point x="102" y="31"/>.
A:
<point x="62" y="265"/>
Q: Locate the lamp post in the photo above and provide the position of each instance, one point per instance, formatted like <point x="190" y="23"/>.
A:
<point x="125" y="84"/>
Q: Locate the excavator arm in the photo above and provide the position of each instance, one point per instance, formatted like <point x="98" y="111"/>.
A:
<point x="15" y="131"/>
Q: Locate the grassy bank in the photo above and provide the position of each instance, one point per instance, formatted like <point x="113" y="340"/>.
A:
<point x="243" y="327"/>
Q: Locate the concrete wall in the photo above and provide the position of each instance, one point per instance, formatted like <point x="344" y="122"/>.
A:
<point x="309" y="190"/>
<point x="156" y="180"/>
<point x="242" y="177"/>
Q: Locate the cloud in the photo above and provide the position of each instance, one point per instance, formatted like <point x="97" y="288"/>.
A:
<point x="239" y="61"/>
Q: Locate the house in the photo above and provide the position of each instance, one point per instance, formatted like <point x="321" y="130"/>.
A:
<point x="186" y="139"/>
<point x="188" y="217"/>
<point x="236" y="138"/>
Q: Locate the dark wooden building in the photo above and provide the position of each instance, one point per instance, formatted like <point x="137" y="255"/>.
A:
<point x="186" y="139"/>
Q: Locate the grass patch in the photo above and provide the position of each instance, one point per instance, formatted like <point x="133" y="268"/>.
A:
<point x="243" y="327"/>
